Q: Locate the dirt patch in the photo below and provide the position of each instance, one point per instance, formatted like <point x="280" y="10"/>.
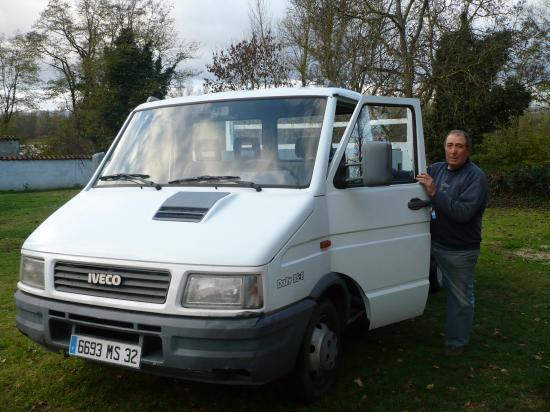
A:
<point x="530" y="254"/>
<point x="525" y="253"/>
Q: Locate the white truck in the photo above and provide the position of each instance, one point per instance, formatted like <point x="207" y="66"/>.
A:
<point x="231" y="237"/>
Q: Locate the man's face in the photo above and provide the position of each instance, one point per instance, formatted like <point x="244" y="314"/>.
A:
<point x="456" y="151"/>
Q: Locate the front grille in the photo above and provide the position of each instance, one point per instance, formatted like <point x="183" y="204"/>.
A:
<point x="142" y="285"/>
<point x="183" y="214"/>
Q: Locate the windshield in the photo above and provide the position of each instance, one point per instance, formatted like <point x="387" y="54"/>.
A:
<point x="270" y="142"/>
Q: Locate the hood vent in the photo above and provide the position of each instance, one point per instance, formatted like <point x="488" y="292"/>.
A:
<point x="183" y="214"/>
<point x="188" y="206"/>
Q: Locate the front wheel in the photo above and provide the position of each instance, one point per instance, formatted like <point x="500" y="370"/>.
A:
<point x="315" y="368"/>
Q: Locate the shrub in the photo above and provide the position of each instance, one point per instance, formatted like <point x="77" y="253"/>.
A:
<point x="517" y="159"/>
<point x="526" y="180"/>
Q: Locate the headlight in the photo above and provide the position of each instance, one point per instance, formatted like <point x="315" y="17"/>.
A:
<point x="31" y="272"/>
<point x="223" y="292"/>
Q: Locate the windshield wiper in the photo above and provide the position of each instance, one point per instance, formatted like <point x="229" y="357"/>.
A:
<point x="132" y="177"/>
<point x="221" y="179"/>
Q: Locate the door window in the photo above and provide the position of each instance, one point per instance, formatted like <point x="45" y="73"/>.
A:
<point x="394" y="124"/>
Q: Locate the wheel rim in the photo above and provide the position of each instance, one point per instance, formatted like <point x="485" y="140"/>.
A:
<point x="323" y="350"/>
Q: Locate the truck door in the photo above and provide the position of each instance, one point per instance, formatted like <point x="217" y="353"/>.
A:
<point x="377" y="238"/>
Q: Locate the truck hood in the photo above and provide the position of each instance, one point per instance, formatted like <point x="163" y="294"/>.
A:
<point x="241" y="228"/>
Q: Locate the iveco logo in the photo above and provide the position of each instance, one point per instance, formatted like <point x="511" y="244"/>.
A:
<point x="104" y="279"/>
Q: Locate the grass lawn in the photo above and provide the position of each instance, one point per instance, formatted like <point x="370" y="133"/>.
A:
<point x="397" y="368"/>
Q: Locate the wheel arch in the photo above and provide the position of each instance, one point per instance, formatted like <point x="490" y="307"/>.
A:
<point x="343" y="292"/>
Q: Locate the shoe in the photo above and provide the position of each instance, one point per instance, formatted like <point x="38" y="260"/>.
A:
<point x="455" y="350"/>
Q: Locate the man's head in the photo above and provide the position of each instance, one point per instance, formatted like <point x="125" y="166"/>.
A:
<point x="457" y="148"/>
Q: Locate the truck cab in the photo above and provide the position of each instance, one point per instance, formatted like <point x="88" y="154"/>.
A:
<point x="231" y="237"/>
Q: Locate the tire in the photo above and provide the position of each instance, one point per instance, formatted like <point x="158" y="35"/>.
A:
<point x="315" y="368"/>
<point x="436" y="280"/>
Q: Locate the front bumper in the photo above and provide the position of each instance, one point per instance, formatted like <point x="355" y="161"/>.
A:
<point x="253" y="350"/>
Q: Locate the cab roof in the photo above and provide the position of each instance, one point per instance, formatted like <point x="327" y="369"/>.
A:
<point x="255" y="94"/>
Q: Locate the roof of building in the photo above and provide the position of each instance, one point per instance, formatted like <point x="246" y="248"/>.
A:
<point x="43" y="157"/>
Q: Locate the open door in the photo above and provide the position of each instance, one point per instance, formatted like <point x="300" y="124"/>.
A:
<point x="377" y="239"/>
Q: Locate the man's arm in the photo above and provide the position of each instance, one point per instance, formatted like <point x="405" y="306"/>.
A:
<point x="465" y="207"/>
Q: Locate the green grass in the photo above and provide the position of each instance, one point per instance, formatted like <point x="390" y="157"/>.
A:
<point x="399" y="367"/>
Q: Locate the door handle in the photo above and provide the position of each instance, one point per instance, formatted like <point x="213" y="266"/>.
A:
<point x="416" y="203"/>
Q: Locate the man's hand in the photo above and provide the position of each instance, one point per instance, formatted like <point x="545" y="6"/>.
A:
<point x="426" y="180"/>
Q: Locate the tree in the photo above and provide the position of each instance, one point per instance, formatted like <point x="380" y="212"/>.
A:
<point x="364" y="45"/>
<point x="131" y="74"/>
<point x="297" y="32"/>
<point x="248" y="64"/>
<point x="468" y="92"/>
<point x="530" y="52"/>
<point x="18" y="76"/>
<point x="257" y="62"/>
<point x="74" y="36"/>
<point x="327" y="44"/>
<point x="379" y="46"/>
<point x="71" y="41"/>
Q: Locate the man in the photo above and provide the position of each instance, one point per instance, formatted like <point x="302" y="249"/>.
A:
<point x="458" y="190"/>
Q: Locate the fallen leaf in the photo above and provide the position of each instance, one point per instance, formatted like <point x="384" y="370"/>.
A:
<point x="364" y="397"/>
<point x="537" y="357"/>
<point x="400" y="360"/>
<point x="504" y="370"/>
<point x="408" y="386"/>
<point x="493" y="367"/>
<point x="358" y="382"/>
<point x="430" y="386"/>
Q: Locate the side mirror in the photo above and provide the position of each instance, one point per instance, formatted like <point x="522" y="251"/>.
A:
<point x="96" y="160"/>
<point x="376" y="163"/>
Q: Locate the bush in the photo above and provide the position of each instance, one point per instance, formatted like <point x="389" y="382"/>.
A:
<point x="526" y="180"/>
<point x="517" y="159"/>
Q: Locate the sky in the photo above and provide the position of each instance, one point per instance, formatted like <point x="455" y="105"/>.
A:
<point x="214" y="24"/>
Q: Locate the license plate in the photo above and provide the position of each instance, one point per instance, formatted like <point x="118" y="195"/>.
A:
<point x="105" y="350"/>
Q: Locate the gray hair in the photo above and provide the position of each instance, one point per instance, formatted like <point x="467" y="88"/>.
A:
<point x="462" y="133"/>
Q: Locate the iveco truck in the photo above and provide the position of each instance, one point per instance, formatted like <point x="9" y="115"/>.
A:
<point x="231" y="237"/>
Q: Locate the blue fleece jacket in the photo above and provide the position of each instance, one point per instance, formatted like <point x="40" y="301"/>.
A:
<point x="459" y="203"/>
